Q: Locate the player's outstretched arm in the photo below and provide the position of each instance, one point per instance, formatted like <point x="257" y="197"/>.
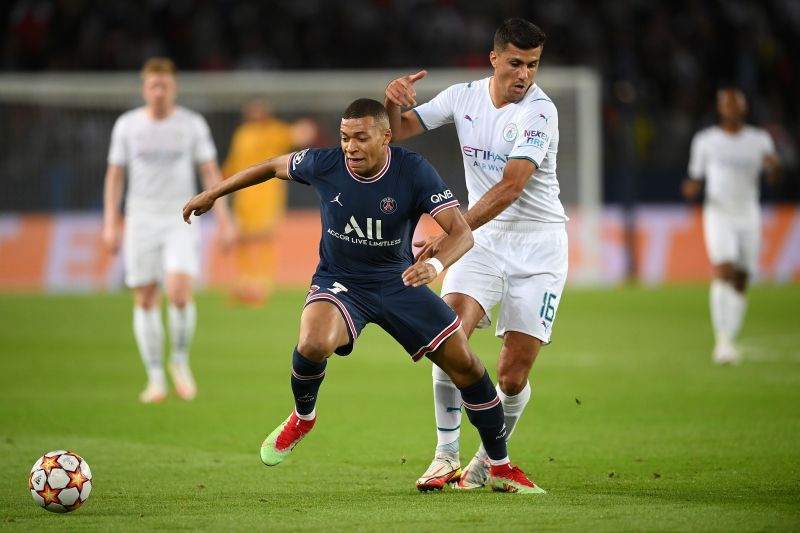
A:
<point x="259" y="173"/>
<point x="504" y="193"/>
<point x="112" y="202"/>
<point x="456" y="241"/>
<point x="399" y="93"/>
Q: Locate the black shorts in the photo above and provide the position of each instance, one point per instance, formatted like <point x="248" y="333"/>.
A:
<point x="416" y="317"/>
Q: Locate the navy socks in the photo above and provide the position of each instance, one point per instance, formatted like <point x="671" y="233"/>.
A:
<point x="486" y="413"/>
<point x="307" y="376"/>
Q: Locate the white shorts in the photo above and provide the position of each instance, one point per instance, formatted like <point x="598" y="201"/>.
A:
<point x="159" y="244"/>
<point x="520" y="265"/>
<point x="731" y="239"/>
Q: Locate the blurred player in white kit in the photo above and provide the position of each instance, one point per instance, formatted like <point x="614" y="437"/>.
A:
<point x="508" y="131"/>
<point x="158" y="147"/>
<point x="730" y="157"/>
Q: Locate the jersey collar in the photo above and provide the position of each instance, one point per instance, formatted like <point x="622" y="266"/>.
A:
<point x="371" y="179"/>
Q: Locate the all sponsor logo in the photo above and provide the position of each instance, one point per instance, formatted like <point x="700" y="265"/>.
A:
<point x="365" y="234"/>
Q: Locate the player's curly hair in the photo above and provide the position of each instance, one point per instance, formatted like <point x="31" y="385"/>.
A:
<point x="519" y="32"/>
<point x="366" y="107"/>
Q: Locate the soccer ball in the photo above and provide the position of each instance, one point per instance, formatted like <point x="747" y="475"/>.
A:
<point x="60" y="481"/>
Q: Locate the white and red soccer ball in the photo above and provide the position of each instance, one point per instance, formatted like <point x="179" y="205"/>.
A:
<point x="60" y="481"/>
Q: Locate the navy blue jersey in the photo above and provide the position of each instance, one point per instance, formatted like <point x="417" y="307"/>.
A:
<point x="368" y="223"/>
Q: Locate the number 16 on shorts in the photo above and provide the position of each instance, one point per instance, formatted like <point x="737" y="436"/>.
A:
<point x="548" y="310"/>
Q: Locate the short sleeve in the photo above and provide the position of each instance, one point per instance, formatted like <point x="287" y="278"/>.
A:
<point x="536" y="127"/>
<point x="432" y="193"/>
<point x="204" y="149"/>
<point x="118" y="151"/>
<point x="697" y="162"/>
<point x="439" y="110"/>
<point x="300" y="166"/>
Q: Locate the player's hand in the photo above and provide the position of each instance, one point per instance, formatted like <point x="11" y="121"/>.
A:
<point x="202" y="203"/>
<point x="112" y="237"/>
<point x="429" y="247"/>
<point x="418" y="274"/>
<point x="401" y="91"/>
<point x="690" y="189"/>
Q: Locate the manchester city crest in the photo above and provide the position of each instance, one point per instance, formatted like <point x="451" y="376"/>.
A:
<point x="510" y="132"/>
<point x="388" y="205"/>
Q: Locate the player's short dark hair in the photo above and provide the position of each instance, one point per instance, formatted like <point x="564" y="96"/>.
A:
<point x="366" y="107"/>
<point x="519" y="32"/>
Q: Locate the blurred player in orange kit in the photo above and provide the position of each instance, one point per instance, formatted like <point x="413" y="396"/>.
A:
<point x="258" y="209"/>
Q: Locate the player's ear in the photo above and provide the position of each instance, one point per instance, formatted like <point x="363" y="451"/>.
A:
<point x="493" y="58"/>
<point x="387" y="137"/>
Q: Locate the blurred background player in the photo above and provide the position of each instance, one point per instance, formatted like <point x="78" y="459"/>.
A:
<point x="730" y="158"/>
<point x="258" y="209"/>
<point x="371" y="198"/>
<point x="157" y="147"/>
<point x="508" y="129"/>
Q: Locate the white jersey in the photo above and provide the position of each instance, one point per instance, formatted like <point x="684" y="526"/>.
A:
<point x="160" y="157"/>
<point x="489" y="137"/>
<point x="731" y="164"/>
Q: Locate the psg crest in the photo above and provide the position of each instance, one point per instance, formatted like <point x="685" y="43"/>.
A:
<point x="388" y="205"/>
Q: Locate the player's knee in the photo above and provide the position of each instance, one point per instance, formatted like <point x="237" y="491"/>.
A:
<point x="512" y="383"/>
<point x="180" y="300"/>
<point x="726" y="272"/>
<point x="315" y="347"/>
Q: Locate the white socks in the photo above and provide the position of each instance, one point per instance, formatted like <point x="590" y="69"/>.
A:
<point x="149" y="333"/>
<point x="182" y="321"/>
<point x="447" y="405"/>
<point x="728" y="308"/>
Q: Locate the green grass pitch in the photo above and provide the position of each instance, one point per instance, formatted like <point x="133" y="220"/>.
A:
<point x="630" y="427"/>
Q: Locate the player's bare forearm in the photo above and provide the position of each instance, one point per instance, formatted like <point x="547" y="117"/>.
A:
<point x="458" y="240"/>
<point x="503" y="194"/>
<point x="450" y="246"/>
<point x="112" y="193"/>
<point x="394" y="111"/>
<point x="259" y="173"/>
<point x="773" y="168"/>
<point x="112" y="201"/>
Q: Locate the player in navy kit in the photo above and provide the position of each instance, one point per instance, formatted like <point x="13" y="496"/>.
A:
<point x="371" y="197"/>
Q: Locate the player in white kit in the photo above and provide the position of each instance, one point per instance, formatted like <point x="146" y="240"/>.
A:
<point x="508" y="131"/>
<point x="158" y="146"/>
<point x="730" y="158"/>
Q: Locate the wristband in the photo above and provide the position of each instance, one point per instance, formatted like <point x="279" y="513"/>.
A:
<point x="436" y="264"/>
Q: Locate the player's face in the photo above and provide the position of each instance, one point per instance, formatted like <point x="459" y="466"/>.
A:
<point x="731" y="105"/>
<point x="364" y="143"/>
<point x="159" y="90"/>
<point x="515" y="70"/>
